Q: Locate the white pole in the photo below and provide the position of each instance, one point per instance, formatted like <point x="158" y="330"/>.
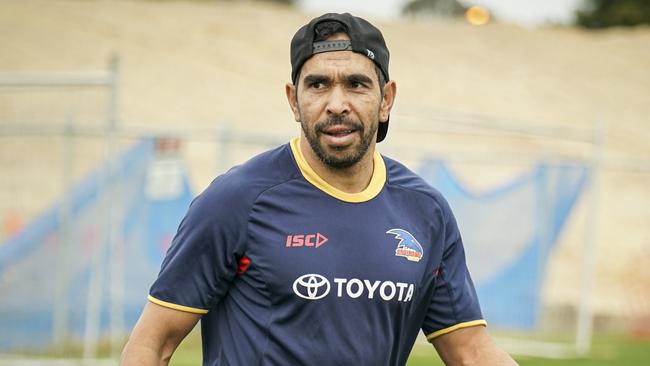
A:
<point x="225" y="139"/>
<point x="116" y="243"/>
<point x="98" y="263"/>
<point x="110" y="191"/>
<point x="585" y="311"/>
<point x="61" y="309"/>
<point x="94" y="295"/>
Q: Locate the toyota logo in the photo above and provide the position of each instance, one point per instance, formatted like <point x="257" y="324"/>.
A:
<point x="311" y="286"/>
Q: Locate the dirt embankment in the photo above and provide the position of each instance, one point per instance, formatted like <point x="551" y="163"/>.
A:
<point x="199" y="65"/>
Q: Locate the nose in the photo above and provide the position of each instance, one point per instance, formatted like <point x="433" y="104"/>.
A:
<point x="337" y="103"/>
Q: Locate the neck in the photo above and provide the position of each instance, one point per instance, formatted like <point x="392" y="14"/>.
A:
<point x="353" y="179"/>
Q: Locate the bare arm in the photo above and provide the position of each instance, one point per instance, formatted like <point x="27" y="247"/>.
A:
<point x="156" y="335"/>
<point x="471" y="346"/>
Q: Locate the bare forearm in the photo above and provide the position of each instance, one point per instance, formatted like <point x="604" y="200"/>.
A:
<point x="135" y="354"/>
<point x="471" y="346"/>
<point x="483" y="357"/>
<point x="492" y="356"/>
<point x="156" y="335"/>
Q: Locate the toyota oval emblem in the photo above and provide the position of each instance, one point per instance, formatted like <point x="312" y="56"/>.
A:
<point x="311" y="286"/>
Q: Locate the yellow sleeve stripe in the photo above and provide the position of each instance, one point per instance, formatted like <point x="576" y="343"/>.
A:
<point x="440" y="332"/>
<point x="166" y="304"/>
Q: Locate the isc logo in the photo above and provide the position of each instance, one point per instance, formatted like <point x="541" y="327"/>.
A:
<point x="308" y="240"/>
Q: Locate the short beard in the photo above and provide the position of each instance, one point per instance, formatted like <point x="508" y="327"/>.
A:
<point x="332" y="160"/>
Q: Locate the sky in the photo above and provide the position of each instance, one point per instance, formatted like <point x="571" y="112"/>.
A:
<point x="526" y="13"/>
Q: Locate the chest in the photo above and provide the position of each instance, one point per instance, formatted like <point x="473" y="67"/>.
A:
<point x="317" y="247"/>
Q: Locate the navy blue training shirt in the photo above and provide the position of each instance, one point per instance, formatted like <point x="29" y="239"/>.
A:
<point x="289" y="270"/>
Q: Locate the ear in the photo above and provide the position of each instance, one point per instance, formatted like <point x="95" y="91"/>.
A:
<point x="292" y="98"/>
<point x="390" y="90"/>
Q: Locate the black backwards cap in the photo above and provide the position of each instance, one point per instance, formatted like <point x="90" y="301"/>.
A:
<point x="365" y="39"/>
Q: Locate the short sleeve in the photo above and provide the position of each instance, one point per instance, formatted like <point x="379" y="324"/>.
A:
<point x="202" y="261"/>
<point x="454" y="303"/>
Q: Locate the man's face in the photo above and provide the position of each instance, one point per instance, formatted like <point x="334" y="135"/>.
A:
<point x="338" y="104"/>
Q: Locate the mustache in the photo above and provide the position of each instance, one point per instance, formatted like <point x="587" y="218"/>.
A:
<point x="339" y="120"/>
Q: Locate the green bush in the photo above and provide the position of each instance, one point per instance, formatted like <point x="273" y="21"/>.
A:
<point x="609" y="13"/>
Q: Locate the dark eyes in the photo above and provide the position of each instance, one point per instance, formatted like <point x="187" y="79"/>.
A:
<point x="352" y="85"/>
<point x="317" y="85"/>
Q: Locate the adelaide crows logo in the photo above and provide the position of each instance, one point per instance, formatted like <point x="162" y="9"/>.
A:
<point x="408" y="247"/>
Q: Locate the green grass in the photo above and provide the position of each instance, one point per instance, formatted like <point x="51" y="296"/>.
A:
<point x="606" y="350"/>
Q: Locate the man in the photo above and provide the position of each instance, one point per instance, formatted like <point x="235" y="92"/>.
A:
<point x="319" y="252"/>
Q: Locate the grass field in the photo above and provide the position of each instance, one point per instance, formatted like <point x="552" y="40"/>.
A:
<point x="606" y="350"/>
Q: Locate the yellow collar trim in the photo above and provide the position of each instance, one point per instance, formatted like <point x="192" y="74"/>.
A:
<point x="376" y="182"/>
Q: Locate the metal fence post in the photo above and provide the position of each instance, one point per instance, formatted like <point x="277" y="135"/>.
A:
<point x="584" y="329"/>
<point x="116" y="236"/>
<point x="61" y="308"/>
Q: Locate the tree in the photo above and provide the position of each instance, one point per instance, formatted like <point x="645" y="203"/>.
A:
<point x="609" y="13"/>
<point x="442" y="8"/>
<point x="285" y="2"/>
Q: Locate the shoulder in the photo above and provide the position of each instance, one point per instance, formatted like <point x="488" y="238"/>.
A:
<point x="237" y="189"/>
<point x="400" y="177"/>
<point x="423" y="195"/>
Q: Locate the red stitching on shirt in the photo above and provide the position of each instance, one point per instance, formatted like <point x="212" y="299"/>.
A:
<point x="243" y="265"/>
